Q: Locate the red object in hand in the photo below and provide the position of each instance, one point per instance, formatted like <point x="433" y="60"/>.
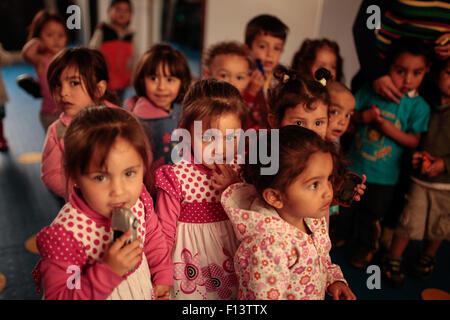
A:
<point x="426" y="162"/>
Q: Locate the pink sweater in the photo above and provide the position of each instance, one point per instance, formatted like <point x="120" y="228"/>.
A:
<point x="66" y="242"/>
<point x="52" y="171"/>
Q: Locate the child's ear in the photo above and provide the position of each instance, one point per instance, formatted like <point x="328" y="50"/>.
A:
<point x="273" y="197"/>
<point x="101" y="87"/>
<point x="272" y="120"/>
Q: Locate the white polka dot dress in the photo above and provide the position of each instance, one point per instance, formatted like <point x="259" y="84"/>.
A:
<point x="204" y="242"/>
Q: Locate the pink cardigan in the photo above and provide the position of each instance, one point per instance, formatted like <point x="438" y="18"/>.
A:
<point x="60" y="248"/>
<point x="52" y="170"/>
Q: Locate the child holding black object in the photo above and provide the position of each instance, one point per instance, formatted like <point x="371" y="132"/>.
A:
<point x="384" y="131"/>
<point x="280" y="221"/>
<point x="427" y="212"/>
<point x="105" y="158"/>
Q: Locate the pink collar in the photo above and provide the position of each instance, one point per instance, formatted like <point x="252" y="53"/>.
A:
<point x="145" y="109"/>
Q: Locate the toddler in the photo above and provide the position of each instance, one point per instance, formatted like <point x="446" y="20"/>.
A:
<point x="106" y="159"/>
<point x="280" y="221"/>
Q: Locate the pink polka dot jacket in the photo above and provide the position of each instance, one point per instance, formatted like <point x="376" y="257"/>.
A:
<point x="77" y="239"/>
<point x="275" y="260"/>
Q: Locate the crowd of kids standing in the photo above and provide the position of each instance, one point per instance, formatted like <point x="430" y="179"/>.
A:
<point x="211" y="227"/>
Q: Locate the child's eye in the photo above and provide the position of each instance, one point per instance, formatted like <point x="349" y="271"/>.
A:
<point x="314" y="186"/>
<point x="130" y="173"/>
<point x="348" y="115"/>
<point x="207" y="138"/>
<point x="299" y="123"/>
<point x="100" y="178"/>
<point x="334" y="112"/>
<point x="417" y="73"/>
<point x="240" y="78"/>
<point x="318" y="123"/>
<point x="223" y="76"/>
<point x="153" y="78"/>
<point x="278" y="48"/>
<point x="74" y="83"/>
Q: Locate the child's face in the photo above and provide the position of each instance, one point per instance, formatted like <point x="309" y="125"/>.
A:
<point x="162" y="88"/>
<point x="54" y="36"/>
<point x="71" y="95"/>
<point x="340" y="112"/>
<point x="315" y="120"/>
<point x="444" y="84"/>
<point x="407" y="71"/>
<point x="120" y="14"/>
<point x="311" y="193"/>
<point x="230" y="68"/>
<point x="118" y="184"/>
<point x="268" y="49"/>
<point x="205" y="146"/>
<point x="325" y="58"/>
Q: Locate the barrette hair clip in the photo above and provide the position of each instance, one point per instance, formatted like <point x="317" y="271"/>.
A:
<point x="285" y="78"/>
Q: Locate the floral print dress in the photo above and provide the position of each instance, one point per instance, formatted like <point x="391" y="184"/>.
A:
<point x="198" y="231"/>
<point x="275" y="260"/>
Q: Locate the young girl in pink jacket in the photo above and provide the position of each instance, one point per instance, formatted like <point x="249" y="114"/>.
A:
<point x="77" y="79"/>
<point x="106" y="159"/>
<point x="280" y="221"/>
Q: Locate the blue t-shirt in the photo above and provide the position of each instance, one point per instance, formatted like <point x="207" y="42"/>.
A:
<point x="376" y="155"/>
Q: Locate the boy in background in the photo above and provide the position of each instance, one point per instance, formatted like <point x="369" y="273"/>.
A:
<point x="115" y="40"/>
<point x="265" y="36"/>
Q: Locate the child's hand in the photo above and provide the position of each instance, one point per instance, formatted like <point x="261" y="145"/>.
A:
<point x="256" y="82"/>
<point x="121" y="258"/>
<point x="360" y="189"/>
<point x="437" y="166"/>
<point x="372" y="114"/>
<point x="161" y="292"/>
<point x="416" y="159"/>
<point x="340" y="291"/>
<point x="227" y="177"/>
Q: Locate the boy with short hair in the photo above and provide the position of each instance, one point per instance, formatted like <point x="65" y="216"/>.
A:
<point x="115" y="40"/>
<point x="265" y="36"/>
<point x="229" y="62"/>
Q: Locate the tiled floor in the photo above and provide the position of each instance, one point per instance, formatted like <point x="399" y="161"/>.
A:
<point x="26" y="206"/>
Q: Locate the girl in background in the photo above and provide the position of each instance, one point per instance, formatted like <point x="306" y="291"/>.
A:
<point x="162" y="79"/>
<point x="106" y="159"/>
<point x="280" y="221"/>
<point x="47" y="36"/>
<point x="316" y="54"/>
<point x="77" y="79"/>
<point x="196" y="227"/>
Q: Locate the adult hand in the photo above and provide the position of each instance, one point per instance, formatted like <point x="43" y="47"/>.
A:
<point x="386" y="88"/>
<point x="443" y="51"/>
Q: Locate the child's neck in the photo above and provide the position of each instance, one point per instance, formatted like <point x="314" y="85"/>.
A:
<point x="118" y="27"/>
<point x="299" y="223"/>
<point x="445" y="100"/>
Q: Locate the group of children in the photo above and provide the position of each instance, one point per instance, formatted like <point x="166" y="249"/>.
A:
<point x="224" y="230"/>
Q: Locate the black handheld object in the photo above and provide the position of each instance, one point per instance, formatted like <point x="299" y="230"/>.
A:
<point x="260" y="66"/>
<point x="346" y="192"/>
<point x="122" y="220"/>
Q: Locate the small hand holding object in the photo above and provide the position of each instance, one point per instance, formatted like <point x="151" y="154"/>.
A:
<point x="360" y="189"/>
<point x="416" y="159"/>
<point x="161" y="292"/>
<point x="122" y="258"/>
<point x="256" y="82"/>
<point x="442" y="48"/>
<point x="370" y="115"/>
<point x="340" y="291"/>
<point x="225" y="178"/>
<point x="432" y="166"/>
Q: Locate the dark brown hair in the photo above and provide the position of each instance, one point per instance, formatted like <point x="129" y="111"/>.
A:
<point x="266" y="24"/>
<point x="293" y="89"/>
<point x="306" y="54"/>
<point x="226" y="47"/>
<point x="92" y="133"/>
<point x="208" y="99"/>
<point x="296" y="145"/>
<point x="91" y="66"/>
<point x="162" y="55"/>
<point x="39" y="21"/>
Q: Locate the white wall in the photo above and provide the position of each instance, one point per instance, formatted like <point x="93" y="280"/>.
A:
<point x="226" y="20"/>
<point x="336" y="24"/>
